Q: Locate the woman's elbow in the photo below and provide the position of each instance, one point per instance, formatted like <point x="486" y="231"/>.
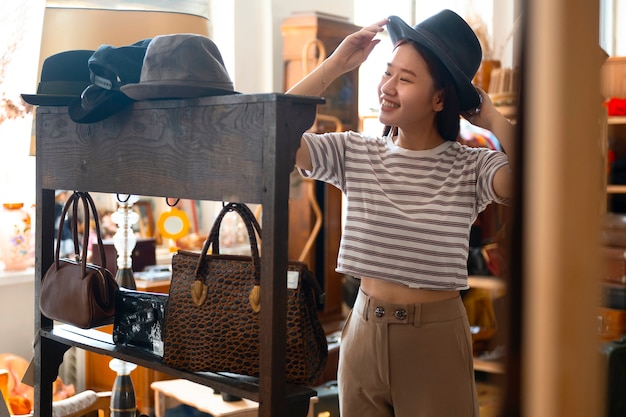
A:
<point x="303" y="157"/>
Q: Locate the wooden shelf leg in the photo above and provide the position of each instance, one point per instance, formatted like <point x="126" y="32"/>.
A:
<point x="46" y="372"/>
<point x="299" y="408"/>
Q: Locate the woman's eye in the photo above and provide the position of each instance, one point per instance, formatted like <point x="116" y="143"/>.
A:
<point x="387" y="74"/>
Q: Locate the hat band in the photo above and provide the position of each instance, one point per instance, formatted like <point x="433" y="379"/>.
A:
<point x="67" y="88"/>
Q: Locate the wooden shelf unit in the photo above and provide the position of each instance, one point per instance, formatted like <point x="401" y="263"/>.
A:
<point x="614" y="139"/>
<point x="232" y="148"/>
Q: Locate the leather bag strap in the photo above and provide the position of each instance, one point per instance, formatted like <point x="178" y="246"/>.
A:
<point x="103" y="260"/>
<point x="199" y="288"/>
<point x="80" y="253"/>
<point x="213" y="240"/>
<point x="248" y="217"/>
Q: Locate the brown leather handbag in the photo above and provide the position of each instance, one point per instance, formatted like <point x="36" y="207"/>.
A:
<point x="75" y="291"/>
<point x="212" y="316"/>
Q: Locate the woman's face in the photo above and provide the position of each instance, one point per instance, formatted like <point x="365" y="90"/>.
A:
<point x="407" y="94"/>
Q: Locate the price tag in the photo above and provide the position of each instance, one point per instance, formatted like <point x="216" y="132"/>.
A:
<point x="292" y="280"/>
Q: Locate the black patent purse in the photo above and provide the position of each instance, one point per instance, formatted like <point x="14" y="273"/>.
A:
<point x="139" y="320"/>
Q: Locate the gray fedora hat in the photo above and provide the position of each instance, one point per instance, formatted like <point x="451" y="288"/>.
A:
<point x="181" y="66"/>
<point x="453" y="41"/>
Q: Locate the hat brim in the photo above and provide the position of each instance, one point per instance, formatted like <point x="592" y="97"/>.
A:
<point x="48" y="99"/>
<point x="398" y="30"/>
<point x="172" y="90"/>
<point x="97" y="104"/>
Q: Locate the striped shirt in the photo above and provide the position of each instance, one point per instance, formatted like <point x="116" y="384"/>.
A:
<point x="408" y="213"/>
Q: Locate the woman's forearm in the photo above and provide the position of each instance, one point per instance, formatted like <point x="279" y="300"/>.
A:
<point x="505" y="132"/>
<point x="350" y="53"/>
<point x="316" y="82"/>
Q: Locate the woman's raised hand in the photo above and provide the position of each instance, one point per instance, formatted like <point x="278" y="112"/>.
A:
<point x="356" y="47"/>
<point x="351" y="53"/>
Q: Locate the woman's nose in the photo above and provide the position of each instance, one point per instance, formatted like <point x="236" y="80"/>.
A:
<point x="387" y="87"/>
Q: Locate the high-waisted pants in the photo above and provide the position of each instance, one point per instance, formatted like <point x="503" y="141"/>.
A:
<point x="406" y="360"/>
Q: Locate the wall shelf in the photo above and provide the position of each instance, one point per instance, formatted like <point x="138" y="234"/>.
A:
<point x="493" y="367"/>
<point x="616" y="120"/>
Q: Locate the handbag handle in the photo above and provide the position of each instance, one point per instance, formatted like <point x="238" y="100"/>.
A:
<point x="248" y="217"/>
<point x="199" y="288"/>
<point x="81" y="256"/>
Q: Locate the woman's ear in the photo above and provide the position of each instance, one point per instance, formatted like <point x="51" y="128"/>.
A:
<point x="438" y="100"/>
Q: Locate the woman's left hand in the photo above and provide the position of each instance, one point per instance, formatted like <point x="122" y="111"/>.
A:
<point x="483" y="115"/>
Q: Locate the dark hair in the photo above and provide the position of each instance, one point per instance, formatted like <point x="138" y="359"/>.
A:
<point x="447" y="120"/>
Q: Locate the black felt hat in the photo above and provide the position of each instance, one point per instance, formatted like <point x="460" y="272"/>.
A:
<point x="453" y="41"/>
<point x="110" y="68"/>
<point x="64" y="76"/>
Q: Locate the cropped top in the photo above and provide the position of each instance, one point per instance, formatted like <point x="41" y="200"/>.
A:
<point x="408" y="213"/>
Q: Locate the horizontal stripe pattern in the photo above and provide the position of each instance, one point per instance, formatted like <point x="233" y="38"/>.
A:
<point x="409" y="213"/>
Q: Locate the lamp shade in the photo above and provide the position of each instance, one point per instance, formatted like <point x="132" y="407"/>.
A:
<point x="72" y="25"/>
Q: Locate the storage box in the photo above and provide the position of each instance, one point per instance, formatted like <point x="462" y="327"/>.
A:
<point x="613" y="296"/>
<point x="613" y="81"/>
<point x="611" y="323"/>
<point x="615" y="364"/>
<point x="614" y="260"/>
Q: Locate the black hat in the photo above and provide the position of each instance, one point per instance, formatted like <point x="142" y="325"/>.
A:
<point x="110" y="68"/>
<point x="63" y="77"/>
<point x="181" y="66"/>
<point x="453" y="41"/>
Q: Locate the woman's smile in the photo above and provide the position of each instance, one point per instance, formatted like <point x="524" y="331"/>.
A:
<point x="386" y="105"/>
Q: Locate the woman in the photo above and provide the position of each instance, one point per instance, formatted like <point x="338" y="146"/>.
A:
<point x="412" y="196"/>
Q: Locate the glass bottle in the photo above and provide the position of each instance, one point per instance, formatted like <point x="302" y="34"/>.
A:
<point x="123" y="403"/>
<point x="15" y="237"/>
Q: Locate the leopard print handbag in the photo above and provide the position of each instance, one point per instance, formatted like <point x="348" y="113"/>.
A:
<point x="212" y="315"/>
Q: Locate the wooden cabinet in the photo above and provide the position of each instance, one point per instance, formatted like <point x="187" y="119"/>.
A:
<point x="308" y="38"/>
<point x="232" y="148"/>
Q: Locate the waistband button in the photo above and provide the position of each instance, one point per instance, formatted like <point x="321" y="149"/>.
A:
<point x="400" y="314"/>
<point x="379" y="311"/>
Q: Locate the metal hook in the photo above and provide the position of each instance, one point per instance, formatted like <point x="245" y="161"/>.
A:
<point x="123" y="201"/>
<point x="225" y="204"/>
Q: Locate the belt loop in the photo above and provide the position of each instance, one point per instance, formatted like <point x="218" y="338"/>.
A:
<point x="417" y="319"/>
<point x="366" y="310"/>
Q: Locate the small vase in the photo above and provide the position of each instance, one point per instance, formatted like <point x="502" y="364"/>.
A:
<point x="15" y="237"/>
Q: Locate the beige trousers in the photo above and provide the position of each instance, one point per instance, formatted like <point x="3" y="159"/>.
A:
<point x="406" y="360"/>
